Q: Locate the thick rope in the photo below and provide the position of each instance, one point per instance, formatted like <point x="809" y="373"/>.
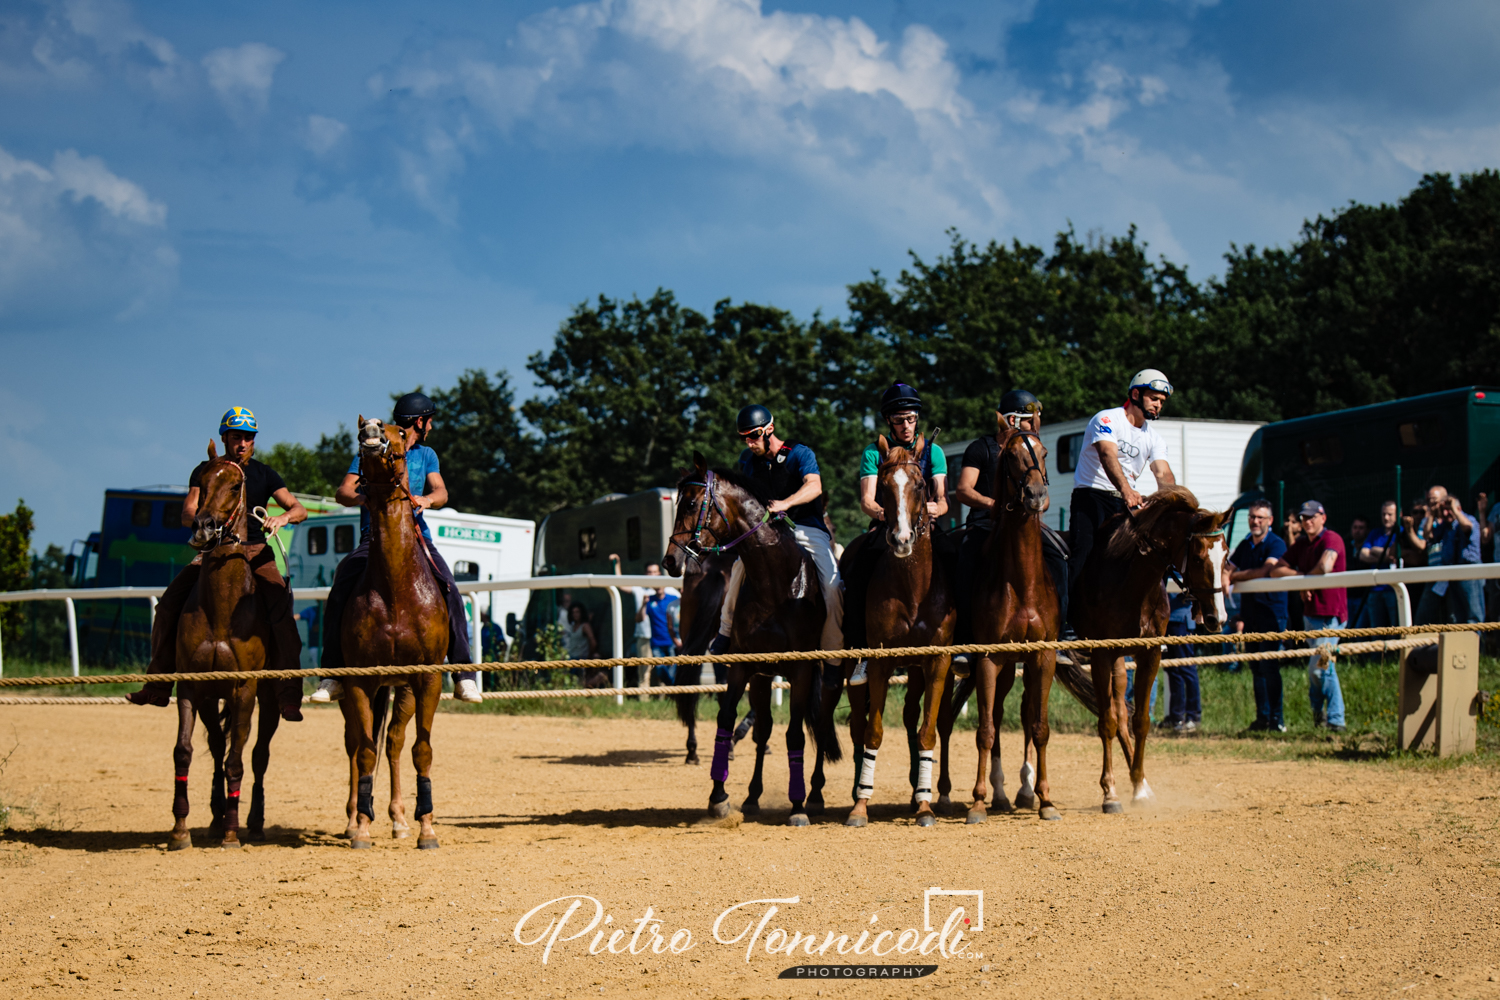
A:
<point x="1141" y="642"/>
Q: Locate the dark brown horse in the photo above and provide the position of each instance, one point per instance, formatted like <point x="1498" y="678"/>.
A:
<point x="908" y="604"/>
<point x="1015" y="601"/>
<point x="222" y="628"/>
<point x="704" y="583"/>
<point x="397" y="615"/>
<point x="780" y="608"/>
<point x="1121" y="596"/>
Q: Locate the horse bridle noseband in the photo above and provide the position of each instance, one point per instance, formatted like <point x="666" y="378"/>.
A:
<point x="708" y="503"/>
<point x="1037" y="465"/>
<point x="218" y="534"/>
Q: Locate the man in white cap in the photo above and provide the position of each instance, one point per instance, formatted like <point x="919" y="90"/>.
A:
<point x="1118" y="447"/>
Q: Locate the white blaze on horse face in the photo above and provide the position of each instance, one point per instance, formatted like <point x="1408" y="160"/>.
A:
<point x="1216" y="559"/>
<point x="903" y="516"/>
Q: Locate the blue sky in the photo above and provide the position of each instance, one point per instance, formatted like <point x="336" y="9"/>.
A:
<point x="303" y="207"/>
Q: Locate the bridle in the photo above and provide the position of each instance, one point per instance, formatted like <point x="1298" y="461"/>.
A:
<point x="218" y="535"/>
<point x="1020" y="482"/>
<point x="400" y="485"/>
<point x="708" y="504"/>
<point x="924" y="522"/>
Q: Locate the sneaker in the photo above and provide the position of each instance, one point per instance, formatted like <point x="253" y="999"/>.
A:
<point x="331" y="689"/>
<point x="468" y="690"/>
<point x="1335" y="729"/>
<point x="861" y="674"/>
<point x="1189" y="727"/>
<point x="961" y="665"/>
<point x="1280" y="728"/>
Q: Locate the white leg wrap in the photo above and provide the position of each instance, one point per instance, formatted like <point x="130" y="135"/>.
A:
<point x="867" y="775"/>
<point x="1028" y="774"/>
<point x="924" y="776"/>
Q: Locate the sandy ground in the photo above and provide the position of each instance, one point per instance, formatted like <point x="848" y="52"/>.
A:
<point x="1246" y="877"/>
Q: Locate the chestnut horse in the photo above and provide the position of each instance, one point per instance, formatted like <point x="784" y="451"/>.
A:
<point x="908" y="604"/>
<point x="222" y="628"/>
<point x="396" y="615"/>
<point x="1121" y="596"/>
<point x="780" y="608"/>
<point x="1015" y="600"/>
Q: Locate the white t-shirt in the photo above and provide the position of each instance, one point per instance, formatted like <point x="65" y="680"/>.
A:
<point x="1137" y="448"/>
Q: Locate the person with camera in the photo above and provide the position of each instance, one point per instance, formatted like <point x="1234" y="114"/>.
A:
<point x="1449" y="537"/>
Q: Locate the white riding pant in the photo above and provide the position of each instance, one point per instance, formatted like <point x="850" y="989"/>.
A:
<point x="818" y="545"/>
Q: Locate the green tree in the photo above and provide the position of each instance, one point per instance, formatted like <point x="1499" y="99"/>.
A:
<point x="317" y="470"/>
<point x="15" y="565"/>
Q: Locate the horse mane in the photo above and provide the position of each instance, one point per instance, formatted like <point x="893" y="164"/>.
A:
<point x="1148" y="521"/>
<point x="734" y="478"/>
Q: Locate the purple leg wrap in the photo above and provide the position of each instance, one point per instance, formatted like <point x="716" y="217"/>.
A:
<point x="796" y="788"/>
<point x="723" y="740"/>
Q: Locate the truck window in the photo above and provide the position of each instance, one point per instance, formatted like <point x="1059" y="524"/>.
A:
<point x="1424" y="433"/>
<point x="588" y="543"/>
<point x="1069" y="451"/>
<point x="343" y="538"/>
<point x="317" y="540"/>
<point x="465" y="570"/>
<point x="1322" y="451"/>
<point x="633" y="538"/>
<point x="140" y="514"/>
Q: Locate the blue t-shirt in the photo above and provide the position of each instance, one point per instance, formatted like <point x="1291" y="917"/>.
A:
<point x="798" y="463"/>
<point x="1382" y="544"/>
<point x="658" y="609"/>
<point x="420" y="462"/>
<point x="1455" y="545"/>
<point x="1252" y="555"/>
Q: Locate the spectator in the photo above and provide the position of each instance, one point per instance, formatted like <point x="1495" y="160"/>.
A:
<point x="1184" y="697"/>
<point x="564" y="603"/>
<point x="658" y="611"/>
<point x="1319" y="551"/>
<point x="1359" y="528"/>
<point x="579" y="640"/>
<point x="1487" y="519"/>
<point x="1254" y="559"/>
<point x="1450" y="538"/>
<point x="1379" y="551"/>
<point x="1293" y="600"/>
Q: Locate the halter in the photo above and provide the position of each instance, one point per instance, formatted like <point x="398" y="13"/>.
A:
<point x="694" y="547"/>
<point x="218" y="536"/>
<point x="1035" y="466"/>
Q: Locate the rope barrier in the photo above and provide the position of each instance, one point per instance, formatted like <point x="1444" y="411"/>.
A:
<point x="707" y="659"/>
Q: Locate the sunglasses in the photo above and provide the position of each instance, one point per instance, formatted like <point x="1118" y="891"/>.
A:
<point x="910" y="418"/>
<point x="754" y="435"/>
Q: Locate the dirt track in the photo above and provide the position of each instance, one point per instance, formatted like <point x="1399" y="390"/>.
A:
<point x="1246" y="877"/>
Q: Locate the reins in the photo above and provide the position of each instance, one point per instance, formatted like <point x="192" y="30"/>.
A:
<point x="707" y="504"/>
<point x="399" y="486"/>
<point x="219" y="530"/>
<point x="1036" y="466"/>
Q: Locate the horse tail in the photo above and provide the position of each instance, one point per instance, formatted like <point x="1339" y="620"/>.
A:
<point x="824" y="700"/>
<point x="380" y="722"/>
<point x="1071" y="675"/>
<point x="687" y="708"/>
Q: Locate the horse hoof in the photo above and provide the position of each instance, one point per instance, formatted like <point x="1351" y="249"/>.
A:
<point x="1002" y="805"/>
<point x="944" y="803"/>
<point x="718" y="810"/>
<point x="360" y="843"/>
<point x="926" y="819"/>
<point x="1049" y="813"/>
<point x="798" y="819"/>
<point x="1025" y="801"/>
<point x="231" y="844"/>
<point x="350" y="833"/>
<point x="256" y="834"/>
<point x="1114" y="808"/>
<point x="857" y="821"/>
<point x="815" y="806"/>
<point x="427" y="843"/>
<point x="400" y="832"/>
<point x="976" y="815"/>
<point x="182" y="843"/>
<point x="751" y="807"/>
<point x="692" y="759"/>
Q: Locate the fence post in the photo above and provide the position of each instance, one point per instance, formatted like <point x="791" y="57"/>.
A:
<point x="72" y="634"/>
<point x="1457" y="689"/>
<point x="152" y="602"/>
<point x="617" y="639"/>
<point x="476" y="653"/>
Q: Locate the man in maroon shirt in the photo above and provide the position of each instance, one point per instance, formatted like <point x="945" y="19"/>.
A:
<point x="1319" y="551"/>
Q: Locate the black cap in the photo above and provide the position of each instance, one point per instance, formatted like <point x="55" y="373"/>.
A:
<point x="412" y="407"/>
<point x="751" y="417"/>
<point x="1019" y="401"/>
<point x="898" y="399"/>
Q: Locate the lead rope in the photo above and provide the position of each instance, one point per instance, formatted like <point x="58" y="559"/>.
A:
<point x="262" y="515"/>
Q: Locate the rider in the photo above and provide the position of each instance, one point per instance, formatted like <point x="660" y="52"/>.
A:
<point x="900" y="407"/>
<point x="789" y="471"/>
<point x="1118" y="446"/>
<point x="413" y="413"/>
<point x="237" y="429"/>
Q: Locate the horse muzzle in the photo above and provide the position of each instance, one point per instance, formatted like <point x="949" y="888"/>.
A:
<point x="1036" y="500"/>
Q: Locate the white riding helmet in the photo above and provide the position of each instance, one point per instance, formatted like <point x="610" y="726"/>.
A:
<point x="1150" y="378"/>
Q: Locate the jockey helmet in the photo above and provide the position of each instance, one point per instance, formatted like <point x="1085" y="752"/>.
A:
<point x="1020" y="404"/>
<point x="412" y="407"/>
<point x="753" y="417"/>
<point x="899" y="398"/>
<point x="1150" y="378"/>
<point x="237" y="418"/>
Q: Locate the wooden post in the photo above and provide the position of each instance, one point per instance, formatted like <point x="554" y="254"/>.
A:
<point x="1457" y="689"/>
<point x="1416" y="702"/>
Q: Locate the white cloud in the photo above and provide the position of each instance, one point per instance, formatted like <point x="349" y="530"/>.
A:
<point x="242" y="76"/>
<point x="77" y="241"/>
<point x="323" y="134"/>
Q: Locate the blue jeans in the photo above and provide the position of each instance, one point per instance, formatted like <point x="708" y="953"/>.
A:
<point x="1463" y="603"/>
<point x="1130" y="689"/>
<point x="1379" y="610"/>
<point x="1323" y="682"/>
<point x="1266" y="673"/>
<point x="1182" y="682"/>
<point x="666" y="675"/>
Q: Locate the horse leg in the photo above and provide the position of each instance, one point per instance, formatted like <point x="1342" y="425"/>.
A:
<point x="1108" y="671"/>
<point x="796" y="741"/>
<point x="351" y="747"/>
<point x="402" y="711"/>
<point x="947" y="715"/>
<point x="427" y="690"/>
<point x="911" y="721"/>
<point x="936" y="677"/>
<point x="760" y="709"/>
<point x="828" y="703"/>
<point x="879" y="686"/>
<point x="687" y="710"/>
<point x="859" y="724"/>
<point x="718" y="771"/>
<point x="182" y="759"/>
<point x="1005" y="680"/>
<point x="1040" y="668"/>
<point x="356" y="705"/>
<point x="985" y="736"/>
<point x="241" y="703"/>
<point x="1146" y="666"/>
<point x="213" y="724"/>
<point x="268" y="721"/>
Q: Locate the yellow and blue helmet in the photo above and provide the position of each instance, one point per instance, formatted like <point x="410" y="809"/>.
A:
<point x="238" y="418"/>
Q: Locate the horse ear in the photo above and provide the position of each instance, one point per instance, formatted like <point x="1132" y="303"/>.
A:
<point x="917" y="451"/>
<point x="213" y="450"/>
<point x="884" y="446"/>
<point x="700" y="464"/>
<point x="361" y="421"/>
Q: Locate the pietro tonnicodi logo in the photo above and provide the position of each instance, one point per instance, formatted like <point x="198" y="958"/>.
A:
<point x="769" y="929"/>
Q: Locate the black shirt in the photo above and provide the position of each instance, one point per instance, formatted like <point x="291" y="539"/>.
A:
<point x="261" y="481"/>
<point x="982" y="454"/>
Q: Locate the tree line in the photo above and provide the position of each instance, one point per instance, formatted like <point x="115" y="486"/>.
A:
<point x="1366" y="304"/>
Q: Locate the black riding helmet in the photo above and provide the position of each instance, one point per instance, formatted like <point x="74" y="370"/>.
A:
<point x="412" y="407"/>
<point x="1018" y="401"/>
<point x="752" y="417"/>
<point x="899" y="398"/>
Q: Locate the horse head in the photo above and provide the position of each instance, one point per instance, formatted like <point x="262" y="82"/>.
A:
<point x="1023" y="472"/>
<point x="693" y="500"/>
<point x="382" y="452"/>
<point x="1203" y="567"/>
<point x="902" y="492"/>
<point x="221" y="502"/>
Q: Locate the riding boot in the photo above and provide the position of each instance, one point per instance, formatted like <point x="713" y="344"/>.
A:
<point x="164" y="637"/>
<point x="459" y="650"/>
<point x="286" y="643"/>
